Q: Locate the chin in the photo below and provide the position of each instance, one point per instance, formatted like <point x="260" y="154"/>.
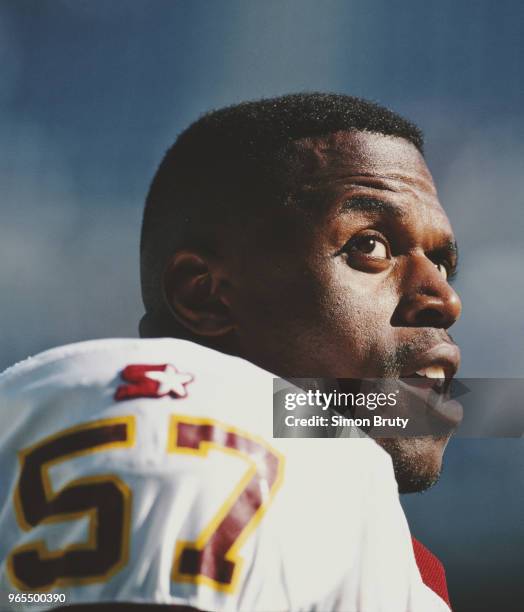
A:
<point x="417" y="461"/>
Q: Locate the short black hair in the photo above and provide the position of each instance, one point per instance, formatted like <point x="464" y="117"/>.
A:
<point x="238" y="155"/>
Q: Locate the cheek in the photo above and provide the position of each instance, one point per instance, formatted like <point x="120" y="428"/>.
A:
<point x="317" y="319"/>
<point x="356" y="310"/>
<point x="273" y="308"/>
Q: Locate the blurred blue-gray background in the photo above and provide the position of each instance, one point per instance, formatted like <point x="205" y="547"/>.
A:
<point x="93" y="91"/>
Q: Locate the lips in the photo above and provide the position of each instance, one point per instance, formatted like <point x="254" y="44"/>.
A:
<point x="429" y="377"/>
<point x="441" y="362"/>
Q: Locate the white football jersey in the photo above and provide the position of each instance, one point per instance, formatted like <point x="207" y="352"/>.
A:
<point x="146" y="471"/>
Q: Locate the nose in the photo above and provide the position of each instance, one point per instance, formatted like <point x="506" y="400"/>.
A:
<point x="428" y="300"/>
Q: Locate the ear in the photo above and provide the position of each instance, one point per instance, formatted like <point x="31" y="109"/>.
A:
<point x="194" y="290"/>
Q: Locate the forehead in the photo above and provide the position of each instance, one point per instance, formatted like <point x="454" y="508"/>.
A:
<point x="340" y="165"/>
<point x="333" y="157"/>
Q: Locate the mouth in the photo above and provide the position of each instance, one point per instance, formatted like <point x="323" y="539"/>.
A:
<point x="434" y="368"/>
<point x="429" y="376"/>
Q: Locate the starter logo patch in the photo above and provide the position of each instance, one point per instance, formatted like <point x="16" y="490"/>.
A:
<point x="153" y="381"/>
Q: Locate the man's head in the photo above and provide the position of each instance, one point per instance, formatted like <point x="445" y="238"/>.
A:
<point x="304" y="234"/>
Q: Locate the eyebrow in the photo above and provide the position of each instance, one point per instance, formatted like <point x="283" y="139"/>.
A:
<point x="371" y="205"/>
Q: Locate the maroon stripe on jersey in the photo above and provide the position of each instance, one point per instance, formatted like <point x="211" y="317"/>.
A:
<point x="431" y="569"/>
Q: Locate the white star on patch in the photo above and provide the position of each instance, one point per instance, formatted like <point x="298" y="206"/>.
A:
<point x="170" y="381"/>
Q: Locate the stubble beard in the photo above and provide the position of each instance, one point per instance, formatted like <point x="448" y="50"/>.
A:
<point x="417" y="461"/>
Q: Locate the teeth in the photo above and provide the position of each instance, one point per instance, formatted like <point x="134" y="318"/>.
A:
<point x="432" y="372"/>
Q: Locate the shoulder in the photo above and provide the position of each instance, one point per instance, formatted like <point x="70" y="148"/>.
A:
<point x="78" y="381"/>
<point x="99" y="360"/>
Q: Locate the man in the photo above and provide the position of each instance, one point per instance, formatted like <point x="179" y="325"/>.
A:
<point x="304" y="233"/>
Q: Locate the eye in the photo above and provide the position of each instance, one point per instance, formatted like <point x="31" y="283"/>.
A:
<point x="443" y="271"/>
<point x="369" y="245"/>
